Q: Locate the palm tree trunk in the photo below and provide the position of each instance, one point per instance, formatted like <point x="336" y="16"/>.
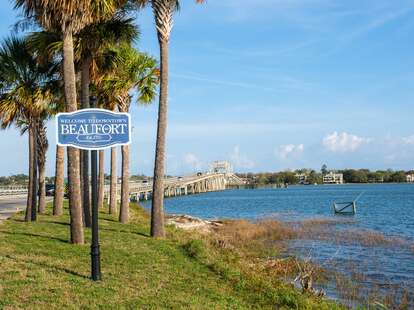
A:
<point x="81" y="175"/>
<point x="86" y="202"/>
<point x="42" y="188"/>
<point x="124" y="210"/>
<point x="101" y="179"/>
<point x="59" y="181"/>
<point x="163" y="13"/>
<point x="28" y="213"/>
<point x="42" y="146"/>
<point x="81" y="184"/>
<point x="85" y="192"/>
<point x="113" y="185"/>
<point x="75" y="209"/>
<point x="33" y="215"/>
<point x="157" y="210"/>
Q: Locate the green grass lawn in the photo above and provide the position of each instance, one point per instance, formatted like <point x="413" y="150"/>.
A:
<point x="39" y="269"/>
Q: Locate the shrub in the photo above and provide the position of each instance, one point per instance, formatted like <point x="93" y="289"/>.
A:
<point x="195" y="248"/>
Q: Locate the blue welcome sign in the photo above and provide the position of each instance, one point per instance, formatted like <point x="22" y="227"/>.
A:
<point x="93" y="129"/>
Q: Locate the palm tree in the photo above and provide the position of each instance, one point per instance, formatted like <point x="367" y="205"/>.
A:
<point x="163" y="12"/>
<point x="28" y="88"/>
<point x="90" y="43"/>
<point x="48" y="45"/>
<point x="130" y="71"/>
<point x="68" y="17"/>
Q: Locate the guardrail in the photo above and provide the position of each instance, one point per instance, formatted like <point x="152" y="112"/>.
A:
<point x="13" y="190"/>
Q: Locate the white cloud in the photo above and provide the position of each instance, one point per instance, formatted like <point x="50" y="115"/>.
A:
<point x="193" y="77"/>
<point x="193" y="161"/>
<point x="408" y="140"/>
<point x="289" y="150"/>
<point x="240" y="160"/>
<point x="343" y="142"/>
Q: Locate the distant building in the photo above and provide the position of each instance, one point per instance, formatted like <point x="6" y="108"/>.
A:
<point x="221" y="167"/>
<point x="302" y="178"/>
<point x="333" y="178"/>
<point x="410" y="178"/>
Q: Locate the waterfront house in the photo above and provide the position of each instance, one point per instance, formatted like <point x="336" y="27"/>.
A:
<point x="333" y="178"/>
<point x="301" y="178"/>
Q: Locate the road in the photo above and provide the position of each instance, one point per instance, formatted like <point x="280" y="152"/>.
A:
<point x="10" y="206"/>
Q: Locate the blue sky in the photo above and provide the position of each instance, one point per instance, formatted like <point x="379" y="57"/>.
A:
<point x="272" y="85"/>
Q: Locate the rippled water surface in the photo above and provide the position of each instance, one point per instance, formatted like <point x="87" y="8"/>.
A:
<point x="384" y="208"/>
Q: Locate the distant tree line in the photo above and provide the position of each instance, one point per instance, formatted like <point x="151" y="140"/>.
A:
<point x="16" y="179"/>
<point x="312" y="176"/>
<point x="379" y="176"/>
<point x="20" y="179"/>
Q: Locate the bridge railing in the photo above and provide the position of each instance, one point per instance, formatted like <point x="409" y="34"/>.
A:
<point x="13" y="190"/>
<point x="140" y="187"/>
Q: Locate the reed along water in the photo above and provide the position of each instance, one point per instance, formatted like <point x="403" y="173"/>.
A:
<point x="374" y="248"/>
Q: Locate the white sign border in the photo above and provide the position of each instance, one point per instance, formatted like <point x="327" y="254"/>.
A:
<point x="93" y="110"/>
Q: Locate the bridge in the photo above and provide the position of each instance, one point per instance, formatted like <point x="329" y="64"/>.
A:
<point x="178" y="186"/>
<point x="12" y="191"/>
<point x="219" y="178"/>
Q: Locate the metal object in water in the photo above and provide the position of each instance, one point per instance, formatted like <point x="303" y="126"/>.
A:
<point x="346" y="208"/>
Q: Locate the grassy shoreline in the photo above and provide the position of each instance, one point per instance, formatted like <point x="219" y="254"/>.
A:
<point x="39" y="268"/>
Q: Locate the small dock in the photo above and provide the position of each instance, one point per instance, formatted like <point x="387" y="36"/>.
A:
<point x="346" y="208"/>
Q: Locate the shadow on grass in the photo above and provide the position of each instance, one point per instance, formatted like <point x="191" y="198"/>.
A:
<point x="58" y="223"/>
<point x="126" y="232"/>
<point x="22" y="220"/>
<point x="47" y="266"/>
<point x="18" y="220"/>
<point x="109" y="220"/>
<point x="34" y="235"/>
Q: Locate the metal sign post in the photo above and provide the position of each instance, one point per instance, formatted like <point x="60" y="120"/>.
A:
<point x="93" y="129"/>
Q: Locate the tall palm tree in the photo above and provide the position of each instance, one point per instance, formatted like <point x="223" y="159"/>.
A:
<point x="163" y="13"/>
<point x="131" y="70"/>
<point x="48" y="45"/>
<point x="90" y="43"/>
<point x="28" y="89"/>
<point x="68" y="17"/>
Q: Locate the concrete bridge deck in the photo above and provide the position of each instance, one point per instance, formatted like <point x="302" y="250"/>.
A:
<point x="176" y="186"/>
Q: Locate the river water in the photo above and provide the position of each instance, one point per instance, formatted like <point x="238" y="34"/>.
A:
<point x="386" y="209"/>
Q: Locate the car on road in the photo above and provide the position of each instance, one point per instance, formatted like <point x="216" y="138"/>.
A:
<point x="50" y="189"/>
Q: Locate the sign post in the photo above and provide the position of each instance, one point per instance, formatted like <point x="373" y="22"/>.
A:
<point x="93" y="129"/>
